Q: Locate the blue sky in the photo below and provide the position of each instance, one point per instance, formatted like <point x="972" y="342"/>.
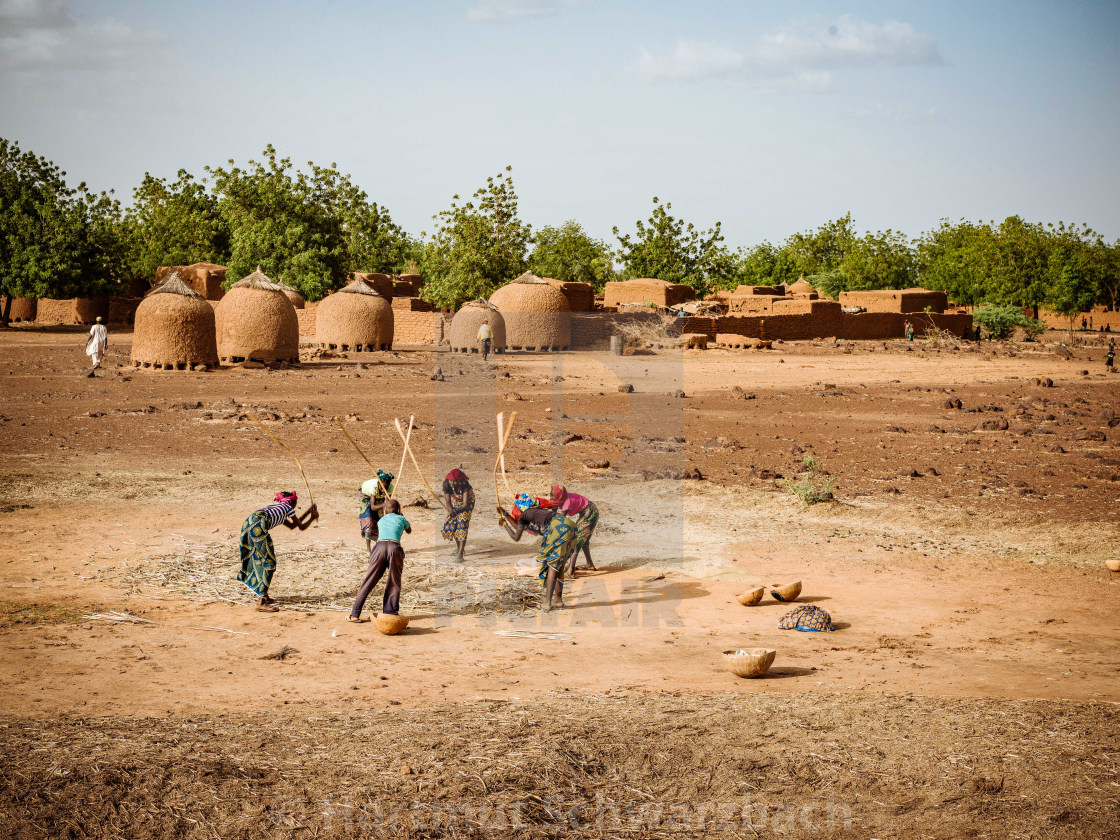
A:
<point x="769" y="117"/>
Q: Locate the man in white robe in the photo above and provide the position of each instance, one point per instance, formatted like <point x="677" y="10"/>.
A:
<point x="97" y="342"/>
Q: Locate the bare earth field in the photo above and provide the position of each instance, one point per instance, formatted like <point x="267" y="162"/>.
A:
<point x="970" y="689"/>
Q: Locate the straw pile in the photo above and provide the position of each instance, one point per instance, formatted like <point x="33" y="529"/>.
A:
<point x="326" y="578"/>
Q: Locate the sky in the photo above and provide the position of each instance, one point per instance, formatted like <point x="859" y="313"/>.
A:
<point x="770" y="118"/>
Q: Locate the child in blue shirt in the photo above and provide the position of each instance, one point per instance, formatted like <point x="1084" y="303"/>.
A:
<point x="386" y="554"/>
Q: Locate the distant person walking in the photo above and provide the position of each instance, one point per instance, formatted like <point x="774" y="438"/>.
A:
<point x="96" y="343"/>
<point x="485" y="336"/>
<point x="1090" y="323"/>
<point x="1110" y="357"/>
<point x="388" y="555"/>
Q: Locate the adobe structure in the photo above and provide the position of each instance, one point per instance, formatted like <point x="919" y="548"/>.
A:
<point x="291" y="294"/>
<point x="354" y="318"/>
<point x="407" y="285"/>
<point x="537" y="316"/>
<point x="205" y="278"/>
<point x="255" y="322"/>
<point x="644" y="291"/>
<point x="71" y="311"/>
<point x="22" y="309"/>
<point x="381" y="283"/>
<point x="463" y="333"/>
<point x="175" y="328"/>
<point x="897" y="300"/>
<point x="581" y="296"/>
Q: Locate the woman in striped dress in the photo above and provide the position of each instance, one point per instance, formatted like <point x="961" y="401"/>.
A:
<point x="583" y="510"/>
<point x="458" y="495"/>
<point x="258" y="555"/>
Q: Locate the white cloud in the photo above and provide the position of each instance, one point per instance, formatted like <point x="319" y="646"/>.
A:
<point x="513" y="11"/>
<point x="801" y="57"/>
<point x="19" y="15"/>
<point x="689" y="60"/>
<point x="847" y="43"/>
<point x="40" y="35"/>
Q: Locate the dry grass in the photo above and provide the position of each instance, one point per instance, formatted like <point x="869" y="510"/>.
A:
<point x="15" y="614"/>
<point x="657" y="329"/>
<point x="600" y="766"/>
<point x="319" y="578"/>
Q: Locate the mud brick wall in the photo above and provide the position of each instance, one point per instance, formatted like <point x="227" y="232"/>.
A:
<point x="306" y="318"/>
<point x="739" y="325"/>
<point x="741" y="304"/>
<point x="22" y="309"/>
<point x="869" y="326"/>
<point x="122" y="310"/>
<point x="71" y="311"/>
<point x="902" y="300"/>
<point x="958" y="323"/>
<point x="1100" y="320"/>
<point x="428" y="328"/>
<point x="411" y="304"/>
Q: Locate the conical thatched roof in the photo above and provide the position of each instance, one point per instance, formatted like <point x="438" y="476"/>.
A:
<point x="529" y="277"/>
<point x="257" y="280"/>
<point x="360" y="287"/>
<point x="173" y="285"/>
<point x="480" y="303"/>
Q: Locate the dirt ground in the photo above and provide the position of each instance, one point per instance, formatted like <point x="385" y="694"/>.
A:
<point x="970" y="688"/>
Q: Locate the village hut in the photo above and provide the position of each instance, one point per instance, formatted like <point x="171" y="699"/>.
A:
<point x="465" y="324"/>
<point x="354" y="318"/>
<point x="291" y="294"/>
<point x="174" y="328"/>
<point x="537" y="315"/>
<point x="256" y="322"/>
<point x="646" y="290"/>
<point x="21" y="309"/>
<point x="381" y="283"/>
<point x="581" y="296"/>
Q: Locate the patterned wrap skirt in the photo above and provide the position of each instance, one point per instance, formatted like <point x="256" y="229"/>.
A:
<point x="258" y="555"/>
<point x="585" y="526"/>
<point x="557" y="545"/>
<point x="455" y="528"/>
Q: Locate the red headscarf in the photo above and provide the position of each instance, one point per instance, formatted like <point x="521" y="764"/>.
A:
<point x="559" y="493"/>
<point x="456" y="475"/>
<point x="286" y="496"/>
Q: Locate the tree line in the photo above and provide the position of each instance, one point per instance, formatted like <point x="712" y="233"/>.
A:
<point x="312" y="227"/>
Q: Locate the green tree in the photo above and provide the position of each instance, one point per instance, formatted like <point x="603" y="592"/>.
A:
<point x="954" y="259"/>
<point x="569" y="254"/>
<point x="477" y="246"/>
<point x="672" y="250"/>
<point x="882" y="260"/>
<point x="55" y="241"/>
<point x="1072" y="292"/>
<point x="823" y="249"/>
<point x="310" y="228"/>
<point x="174" y="223"/>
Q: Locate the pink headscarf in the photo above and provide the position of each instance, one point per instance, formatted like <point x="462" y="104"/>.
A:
<point x="286" y="496"/>
<point x="559" y="493"/>
<point x="456" y="475"/>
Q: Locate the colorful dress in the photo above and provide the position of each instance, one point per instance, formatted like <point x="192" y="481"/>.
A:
<point x="585" y="526"/>
<point x="557" y="545"/>
<point x="455" y="528"/>
<point x="258" y="555"/>
<point x="367" y="519"/>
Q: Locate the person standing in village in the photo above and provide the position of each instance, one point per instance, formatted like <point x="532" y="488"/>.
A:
<point x="388" y="555"/>
<point x="558" y="539"/>
<point x="1110" y="356"/>
<point x="458" y="497"/>
<point x="1090" y="323"/>
<point x="371" y="504"/>
<point x="97" y="343"/>
<point x="258" y="554"/>
<point x="586" y="516"/>
<point x="909" y="330"/>
<point x="485" y="335"/>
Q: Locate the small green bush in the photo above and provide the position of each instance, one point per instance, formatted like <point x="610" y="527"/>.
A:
<point x="999" y="322"/>
<point x="812" y="487"/>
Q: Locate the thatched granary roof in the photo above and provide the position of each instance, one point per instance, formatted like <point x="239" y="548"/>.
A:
<point x="463" y="332"/>
<point x="174" y="327"/>
<point x="291" y="294"/>
<point x="255" y="321"/>
<point x="354" y="318"/>
<point x="537" y="315"/>
<point x="801" y="287"/>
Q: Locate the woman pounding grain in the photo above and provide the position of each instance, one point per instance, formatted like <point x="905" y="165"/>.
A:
<point x="558" y="538"/>
<point x="258" y="555"/>
<point x="371" y="504"/>
<point x="585" y="513"/>
<point x="458" y="495"/>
